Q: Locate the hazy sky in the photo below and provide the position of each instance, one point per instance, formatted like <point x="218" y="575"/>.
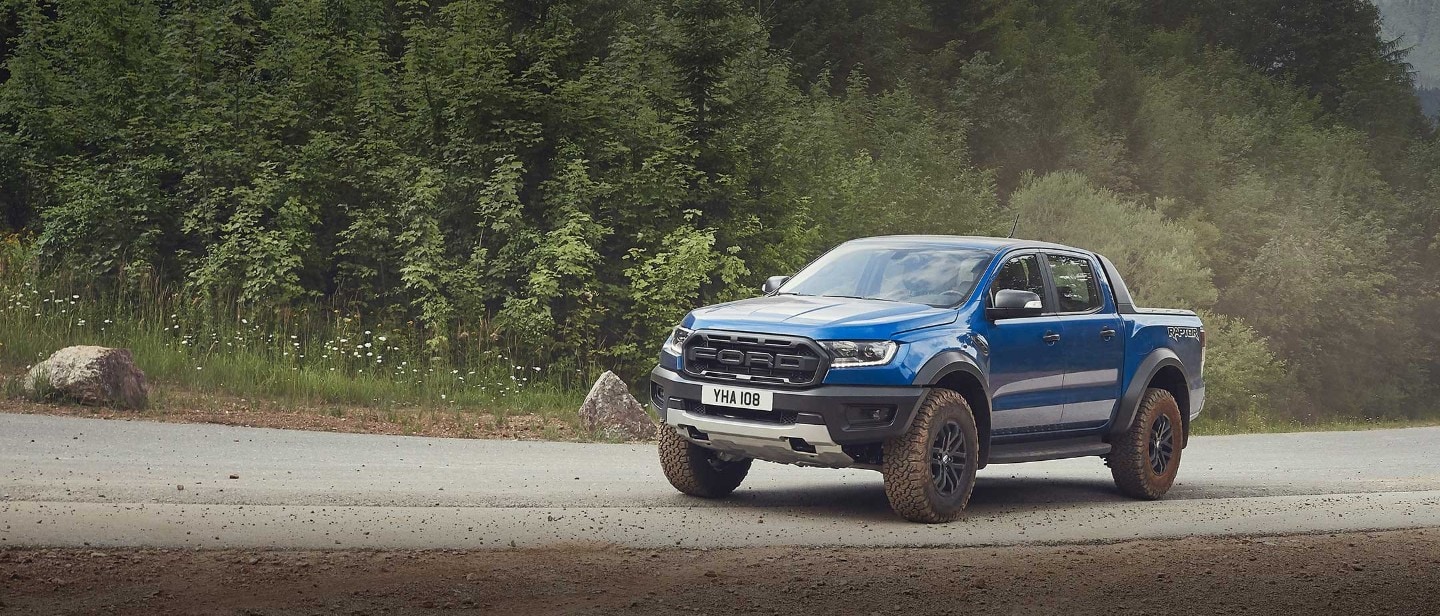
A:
<point x="1417" y="23"/>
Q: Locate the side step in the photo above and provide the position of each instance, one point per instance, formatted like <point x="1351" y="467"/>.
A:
<point x="1078" y="447"/>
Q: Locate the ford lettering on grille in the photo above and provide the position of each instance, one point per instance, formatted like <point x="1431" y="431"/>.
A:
<point x="748" y="359"/>
<point x="759" y="359"/>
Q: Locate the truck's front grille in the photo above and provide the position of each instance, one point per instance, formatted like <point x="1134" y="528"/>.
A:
<point x="760" y="359"/>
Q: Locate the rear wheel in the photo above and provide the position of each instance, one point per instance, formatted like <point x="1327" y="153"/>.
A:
<point x="1146" y="459"/>
<point x="930" y="470"/>
<point x="698" y="471"/>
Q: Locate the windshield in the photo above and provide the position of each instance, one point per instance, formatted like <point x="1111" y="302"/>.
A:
<point x="937" y="276"/>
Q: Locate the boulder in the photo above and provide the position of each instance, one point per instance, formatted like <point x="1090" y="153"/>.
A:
<point x="90" y="375"/>
<point x="610" y="410"/>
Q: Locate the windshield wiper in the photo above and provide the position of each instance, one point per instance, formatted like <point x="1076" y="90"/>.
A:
<point x="882" y="299"/>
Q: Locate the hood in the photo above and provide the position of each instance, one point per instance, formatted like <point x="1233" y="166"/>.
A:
<point x="820" y="318"/>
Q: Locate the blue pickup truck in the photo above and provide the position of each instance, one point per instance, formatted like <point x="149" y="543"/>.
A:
<point x="928" y="358"/>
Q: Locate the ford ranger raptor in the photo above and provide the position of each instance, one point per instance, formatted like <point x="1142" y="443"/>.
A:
<point x="928" y="358"/>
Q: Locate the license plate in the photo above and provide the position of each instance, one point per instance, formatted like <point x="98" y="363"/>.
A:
<point x="738" y="397"/>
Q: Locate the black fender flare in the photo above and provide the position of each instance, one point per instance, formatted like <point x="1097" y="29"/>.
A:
<point x="1130" y="401"/>
<point x="946" y="363"/>
<point x="950" y="362"/>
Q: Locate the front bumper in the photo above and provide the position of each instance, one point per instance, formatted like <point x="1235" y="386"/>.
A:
<point x="811" y="426"/>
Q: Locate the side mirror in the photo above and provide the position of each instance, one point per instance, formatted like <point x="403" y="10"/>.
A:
<point x="772" y="284"/>
<point x="1014" y="303"/>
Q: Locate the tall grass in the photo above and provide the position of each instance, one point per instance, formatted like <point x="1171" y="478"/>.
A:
<point x="313" y="353"/>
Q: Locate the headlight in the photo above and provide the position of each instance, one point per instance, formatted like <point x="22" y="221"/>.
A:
<point x="677" y="338"/>
<point x="848" y="354"/>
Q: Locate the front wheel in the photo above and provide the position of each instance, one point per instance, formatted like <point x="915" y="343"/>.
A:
<point x="1146" y="459"/>
<point x="930" y="469"/>
<point x="698" y="471"/>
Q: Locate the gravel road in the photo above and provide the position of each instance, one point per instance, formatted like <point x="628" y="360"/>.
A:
<point x="70" y="482"/>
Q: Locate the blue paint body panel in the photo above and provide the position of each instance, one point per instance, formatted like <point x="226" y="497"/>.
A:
<point x="822" y="318"/>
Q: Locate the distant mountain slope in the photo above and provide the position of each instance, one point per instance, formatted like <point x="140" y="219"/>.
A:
<point x="1429" y="101"/>
<point x="1418" y="23"/>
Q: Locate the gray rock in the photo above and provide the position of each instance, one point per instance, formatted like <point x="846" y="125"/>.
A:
<point x="610" y="410"/>
<point x="90" y="375"/>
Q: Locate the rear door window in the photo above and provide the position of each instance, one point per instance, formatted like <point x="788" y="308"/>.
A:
<point x="1074" y="283"/>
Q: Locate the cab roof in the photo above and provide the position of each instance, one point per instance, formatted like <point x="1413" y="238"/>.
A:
<point x="992" y="244"/>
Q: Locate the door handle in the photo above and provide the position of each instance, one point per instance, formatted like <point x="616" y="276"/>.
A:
<point x="1051" y="337"/>
<point x="1107" y="332"/>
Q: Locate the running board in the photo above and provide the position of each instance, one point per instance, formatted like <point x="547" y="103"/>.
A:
<point x="1010" y="453"/>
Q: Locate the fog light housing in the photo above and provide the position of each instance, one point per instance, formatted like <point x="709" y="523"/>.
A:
<point x="870" y="415"/>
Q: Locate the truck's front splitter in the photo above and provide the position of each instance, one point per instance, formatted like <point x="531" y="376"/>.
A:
<point x="805" y="444"/>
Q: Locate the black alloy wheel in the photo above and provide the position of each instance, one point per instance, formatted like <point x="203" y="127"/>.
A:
<point x="1161" y="448"/>
<point x="947" y="459"/>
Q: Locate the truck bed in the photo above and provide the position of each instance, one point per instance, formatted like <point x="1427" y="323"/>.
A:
<point x="1171" y="311"/>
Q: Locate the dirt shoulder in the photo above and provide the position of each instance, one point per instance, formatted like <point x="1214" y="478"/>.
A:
<point x="195" y="407"/>
<point x="180" y="406"/>
<point x="1365" y="573"/>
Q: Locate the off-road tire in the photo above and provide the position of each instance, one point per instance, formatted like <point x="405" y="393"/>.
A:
<point x="1131" y="462"/>
<point x="698" y="471"/>
<point x="910" y="463"/>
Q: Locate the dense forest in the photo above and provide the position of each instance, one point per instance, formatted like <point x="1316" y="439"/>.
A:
<point x="567" y="178"/>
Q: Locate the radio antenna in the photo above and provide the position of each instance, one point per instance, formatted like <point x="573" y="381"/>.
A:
<point x="1014" y="226"/>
